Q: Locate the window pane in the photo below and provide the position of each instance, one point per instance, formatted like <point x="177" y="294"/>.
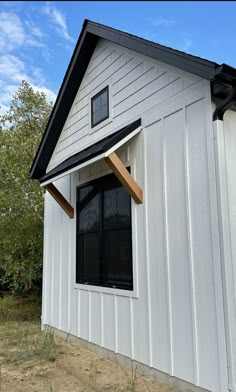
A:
<point x="100" y="109"/>
<point x="104" y="111"/>
<point x="116" y="207"/>
<point x="88" y="254"/>
<point x="118" y="258"/>
<point x="88" y="209"/>
<point x="103" y="99"/>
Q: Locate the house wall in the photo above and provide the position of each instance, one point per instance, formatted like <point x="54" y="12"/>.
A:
<point x="173" y="321"/>
<point x="136" y="83"/>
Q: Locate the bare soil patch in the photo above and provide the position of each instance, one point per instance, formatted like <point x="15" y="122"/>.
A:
<point x="35" y="361"/>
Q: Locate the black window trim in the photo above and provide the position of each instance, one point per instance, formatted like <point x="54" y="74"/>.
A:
<point x="93" y="125"/>
<point x="132" y="288"/>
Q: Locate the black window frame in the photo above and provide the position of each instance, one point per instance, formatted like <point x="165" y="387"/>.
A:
<point x="94" y="124"/>
<point x="103" y="282"/>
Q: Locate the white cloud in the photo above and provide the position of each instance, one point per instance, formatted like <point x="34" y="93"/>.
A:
<point x="16" y="65"/>
<point x="12" y="34"/>
<point x="12" y="68"/>
<point x="12" y="71"/>
<point x="161" y="21"/>
<point x="58" y="20"/>
<point x="35" y="30"/>
<point x="51" y="96"/>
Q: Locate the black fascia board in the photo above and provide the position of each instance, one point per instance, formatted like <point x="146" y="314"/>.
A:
<point x="193" y="64"/>
<point x="82" y="54"/>
<point x="70" y="85"/>
<point x="92" y="151"/>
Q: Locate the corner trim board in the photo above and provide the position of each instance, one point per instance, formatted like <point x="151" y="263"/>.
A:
<point x="56" y="194"/>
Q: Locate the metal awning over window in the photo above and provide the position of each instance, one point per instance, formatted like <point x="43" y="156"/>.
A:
<point x="92" y="153"/>
<point x="104" y="149"/>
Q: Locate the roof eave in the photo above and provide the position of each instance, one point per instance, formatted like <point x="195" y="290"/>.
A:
<point x="75" y="68"/>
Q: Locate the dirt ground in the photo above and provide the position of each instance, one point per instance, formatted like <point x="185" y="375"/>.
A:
<point x="32" y="361"/>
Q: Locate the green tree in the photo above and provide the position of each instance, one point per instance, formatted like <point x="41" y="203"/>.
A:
<point x="21" y="199"/>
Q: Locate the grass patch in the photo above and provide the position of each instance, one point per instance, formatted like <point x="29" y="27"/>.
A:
<point x="21" y="339"/>
<point x="29" y="345"/>
<point x="20" y="308"/>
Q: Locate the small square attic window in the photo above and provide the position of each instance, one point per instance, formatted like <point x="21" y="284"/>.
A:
<point x="100" y="107"/>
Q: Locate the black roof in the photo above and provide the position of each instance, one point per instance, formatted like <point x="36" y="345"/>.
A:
<point x="222" y="77"/>
<point x="92" y="151"/>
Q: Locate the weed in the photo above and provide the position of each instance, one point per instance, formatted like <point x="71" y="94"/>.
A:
<point x="93" y="371"/>
<point x="131" y="378"/>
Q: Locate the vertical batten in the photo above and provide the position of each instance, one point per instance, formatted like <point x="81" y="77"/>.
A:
<point x="72" y="250"/>
<point x="60" y="271"/>
<point x="132" y="327"/>
<point x="164" y="187"/>
<point x="69" y="269"/>
<point x="52" y="263"/>
<point x="190" y="250"/>
<point x="64" y="256"/>
<point x="102" y="321"/>
<point x="49" y="260"/>
<point x="44" y="318"/>
<point x="146" y="236"/>
<point x="116" y="327"/>
<point x="89" y="316"/>
<point x="78" y="310"/>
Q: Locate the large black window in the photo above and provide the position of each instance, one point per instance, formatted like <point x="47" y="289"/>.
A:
<point x="100" y="107"/>
<point x="104" y="241"/>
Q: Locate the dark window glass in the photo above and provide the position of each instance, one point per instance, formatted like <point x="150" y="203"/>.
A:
<point x="100" y="107"/>
<point x="104" y="240"/>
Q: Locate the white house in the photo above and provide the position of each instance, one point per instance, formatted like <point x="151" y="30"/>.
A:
<point x="139" y="161"/>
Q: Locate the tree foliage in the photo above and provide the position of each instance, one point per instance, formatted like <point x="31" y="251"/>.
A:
<point x="21" y="199"/>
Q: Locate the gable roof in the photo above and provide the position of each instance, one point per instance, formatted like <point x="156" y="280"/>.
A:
<point x="222" y="77"/>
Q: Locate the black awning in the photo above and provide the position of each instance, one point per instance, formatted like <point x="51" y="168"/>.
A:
<point x="91" y="152"/>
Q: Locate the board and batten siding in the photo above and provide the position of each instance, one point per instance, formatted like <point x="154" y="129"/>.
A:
<point x="173" y="321"/>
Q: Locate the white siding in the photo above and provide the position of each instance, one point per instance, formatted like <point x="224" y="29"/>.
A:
<point x="136" y="84"/>
<point x="230" y="153"/>
<point x="174" y="319"/>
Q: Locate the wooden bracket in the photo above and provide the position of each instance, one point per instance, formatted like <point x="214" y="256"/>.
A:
<point x="125" y="177"/>
<point x="54" y="192"/>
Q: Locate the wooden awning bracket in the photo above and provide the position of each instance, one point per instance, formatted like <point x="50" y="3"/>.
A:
<point x="125" y="177"/>
<point x="56" y="194"/>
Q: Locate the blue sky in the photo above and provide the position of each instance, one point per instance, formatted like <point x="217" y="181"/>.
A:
<point x="37" y="38"/>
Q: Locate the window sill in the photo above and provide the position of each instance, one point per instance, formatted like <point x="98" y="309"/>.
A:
<point x="107" y="290"/>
